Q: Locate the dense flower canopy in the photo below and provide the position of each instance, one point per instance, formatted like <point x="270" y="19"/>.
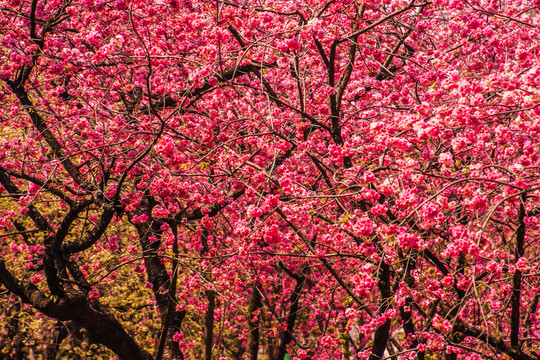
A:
<point x="270" y="179"/>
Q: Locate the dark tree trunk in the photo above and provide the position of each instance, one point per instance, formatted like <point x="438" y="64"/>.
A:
<point x="102" y="327"/>
<point x="255" y="303"/>
<point x="287" y="335"/>
<point x="383" y="332"/>
<point x="59" y="334"/>
<point x="209" y="325"/>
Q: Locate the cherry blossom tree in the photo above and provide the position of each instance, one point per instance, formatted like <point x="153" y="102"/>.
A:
<point x="270" y="179"/>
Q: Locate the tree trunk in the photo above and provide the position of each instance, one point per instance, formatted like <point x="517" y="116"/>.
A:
<point x="252" y="349"/>
<point x="209" y="325"/>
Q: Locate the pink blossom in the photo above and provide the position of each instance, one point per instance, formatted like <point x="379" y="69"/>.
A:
<point x="93" y="294"/>
<point x="254" y="212"/>
<point x="272" y="235"/>
<point x="522" y="264"/>
<point x="207" y="222"/>
<point x="446" y="159"/>
<point x="379" y="209"/>
<point x="364" y="227"/>
<point x="178" y="337"/>
<point x="441" y="324"/>
<point x="448" y="280"/>
<point x="36" y="278"/>
<point x="408" y="241"/>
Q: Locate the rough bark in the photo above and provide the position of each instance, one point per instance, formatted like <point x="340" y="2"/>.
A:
<point x="294" y="300"/>
<point x="252" y="348"/>
<point x="102" y="327"/>
<point x="209" y="325"/>
<point x="382" y="333"/>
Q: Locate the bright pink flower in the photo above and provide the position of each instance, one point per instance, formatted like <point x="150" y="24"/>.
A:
<point x="36" y="278"/>
<point x="273" y="235"/>
<point x="93" y="294"/>
<point x="364" y="227"/>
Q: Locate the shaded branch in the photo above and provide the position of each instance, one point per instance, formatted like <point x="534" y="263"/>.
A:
<point x="92" y="236"/>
